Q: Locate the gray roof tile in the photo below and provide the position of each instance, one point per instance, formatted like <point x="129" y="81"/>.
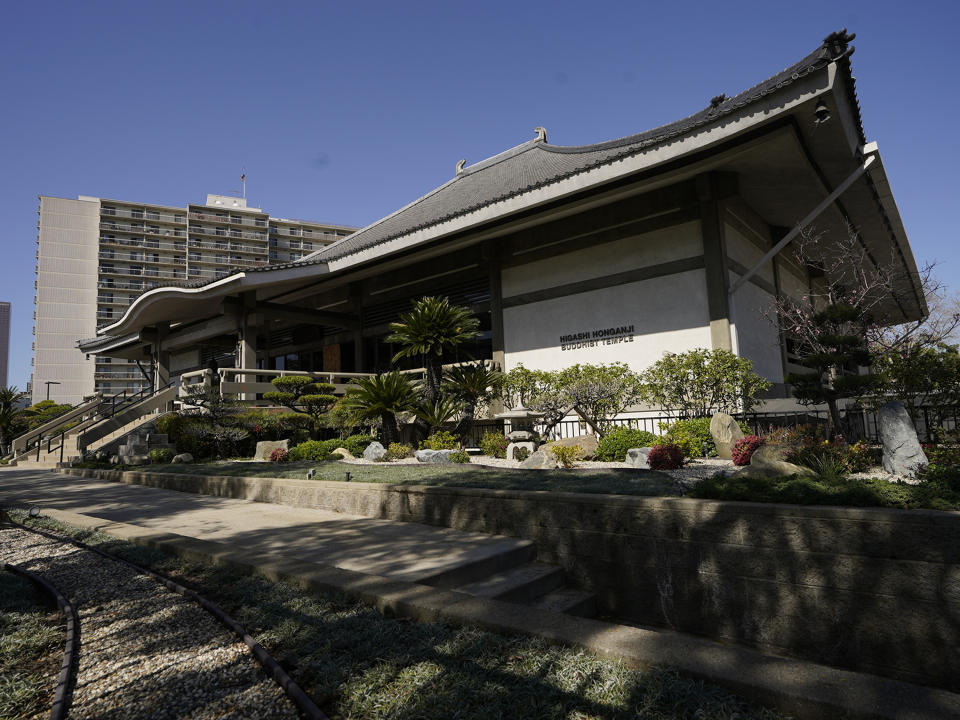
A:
<point x="536" y="163"/>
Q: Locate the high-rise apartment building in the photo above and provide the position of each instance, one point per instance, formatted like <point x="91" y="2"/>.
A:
<point x="4" y="342"/>
<point x="94" y="256"/>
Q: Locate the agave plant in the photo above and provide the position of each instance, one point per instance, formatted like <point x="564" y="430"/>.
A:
<point x="433" y="327"/>
<point x="382" y="396"/>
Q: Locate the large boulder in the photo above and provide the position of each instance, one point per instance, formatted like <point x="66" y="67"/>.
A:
<point x="540" y="460"/>
<point x="725" y="432"/>
<point x="182" y="458"/>
<point x="637" y="457"/>
<point x="343" y="453"/>
<point x="265" y="447"/>
<point x="434" y="457"/>
<point x="902" y="454"/>
<point x="768" y="461"/>
<point x="587" y="443"/>
<point x="375" y="451"/>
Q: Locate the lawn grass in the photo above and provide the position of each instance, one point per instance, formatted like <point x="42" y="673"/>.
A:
<point x="939" y="492"/>
<point x="31" y="647"/>
<point x="628" y="481"/>
<point x="355" y="663"/>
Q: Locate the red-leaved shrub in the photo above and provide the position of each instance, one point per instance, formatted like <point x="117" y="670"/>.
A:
<point x="744" y="448"/>
<point x="279" y="455"/>
<point x="665" y="457"/>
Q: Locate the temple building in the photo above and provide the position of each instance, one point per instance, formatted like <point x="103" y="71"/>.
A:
<point x="668" y="240"/>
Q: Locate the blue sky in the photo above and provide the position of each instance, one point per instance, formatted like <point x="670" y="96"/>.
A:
<point x="343" y="112"/>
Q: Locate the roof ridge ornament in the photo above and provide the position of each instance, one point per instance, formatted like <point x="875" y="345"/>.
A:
<point x="541" y="134"/>
<point x="837" y="42"/>
<point x="718" y="100"/>
<point x="460" y="165"/>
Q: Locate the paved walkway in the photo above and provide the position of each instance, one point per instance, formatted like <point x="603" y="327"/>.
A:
<point x="401" y="551"/>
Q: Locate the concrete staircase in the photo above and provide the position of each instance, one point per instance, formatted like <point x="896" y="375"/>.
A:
<point x="515" y="576"/>
<point x="144" y="426"/>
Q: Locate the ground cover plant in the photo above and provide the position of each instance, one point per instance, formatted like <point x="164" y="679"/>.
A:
<point x="31" y="647"/>
<point x="355" y="663"/>
<point x="940" y="490"/>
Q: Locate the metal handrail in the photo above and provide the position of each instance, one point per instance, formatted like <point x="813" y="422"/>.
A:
<point x="128" y="402"/>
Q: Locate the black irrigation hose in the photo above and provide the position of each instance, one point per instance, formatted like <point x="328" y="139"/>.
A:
<point x="67" y="677"/>
<point x="293" y="691"/>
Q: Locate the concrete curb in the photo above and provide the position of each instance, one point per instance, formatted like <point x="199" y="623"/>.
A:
<point x="800" y="688"/>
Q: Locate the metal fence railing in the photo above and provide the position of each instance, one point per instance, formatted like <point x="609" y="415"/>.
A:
<point x="859" y="423"/>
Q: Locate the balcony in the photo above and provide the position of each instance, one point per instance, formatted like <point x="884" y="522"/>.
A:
<point x="225" y="232"/>
<point x="144" y="215"/>
<point x="142" y="229"/>
<point x="148" y="244"/>
<point x="145" y="272"/>
<point x="228" y="219"/>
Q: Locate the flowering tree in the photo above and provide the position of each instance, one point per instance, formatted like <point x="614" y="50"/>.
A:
<point x="839" y="328"/>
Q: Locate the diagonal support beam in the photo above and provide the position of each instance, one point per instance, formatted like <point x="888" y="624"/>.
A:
<point x="830" y="199"/>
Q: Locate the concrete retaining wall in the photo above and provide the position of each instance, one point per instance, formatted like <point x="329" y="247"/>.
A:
<point x="869" y="589"/>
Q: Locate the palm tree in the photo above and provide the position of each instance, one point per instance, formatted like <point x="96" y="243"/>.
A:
<point x="382" y="396"/>
<point x="432" y="328"/>
<point x="8" y="415"/>
<point x="472" y="385"/>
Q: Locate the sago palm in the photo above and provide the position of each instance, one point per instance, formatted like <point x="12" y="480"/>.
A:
<point x="472" y="385"/>
<point x="382" y="396"/>
<point x="433" y="327"/>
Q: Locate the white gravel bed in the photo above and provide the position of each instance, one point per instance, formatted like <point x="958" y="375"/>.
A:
<point x="146" y="652"/>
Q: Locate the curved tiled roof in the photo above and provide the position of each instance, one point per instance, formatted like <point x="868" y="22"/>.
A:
<point x="536" y="163"/>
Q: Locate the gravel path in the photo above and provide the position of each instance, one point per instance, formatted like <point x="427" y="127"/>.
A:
<point x="146" y="652"/>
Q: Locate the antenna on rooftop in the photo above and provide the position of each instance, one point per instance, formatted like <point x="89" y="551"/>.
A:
<point x="243" y="182"/>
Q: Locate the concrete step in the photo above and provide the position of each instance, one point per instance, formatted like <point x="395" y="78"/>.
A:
<point x="569" y="601"/>
<point x="518" y="584"/>
<point x="520" y="553"/>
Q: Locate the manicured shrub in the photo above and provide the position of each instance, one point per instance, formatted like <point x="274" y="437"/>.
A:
<point x="945" y="456"/>
<point x="520" y="454"/>
<point x="459" y="457"/>
<point x="313" y="450"/>
<point x="279" y="455"/>
<point x="161" y="455"/>
<point x="614" y="445"/>
<point x="441" y="440"/>
<point x="398" y="451"/>
<point x="667" y="456"/>
<point x="567" y="456"/>
<point x="277" y="426"/>
<point x="692" y="436"/>
<point x="356" y="444"/>
<point x="744" y="448"/>
<point x="494" y="444"/>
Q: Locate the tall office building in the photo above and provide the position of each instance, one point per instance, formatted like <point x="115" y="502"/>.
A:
<point x="4" y="342"/>
<point x="94" y="256"/>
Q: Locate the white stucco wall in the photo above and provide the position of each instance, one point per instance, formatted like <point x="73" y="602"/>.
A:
<point x="757" y="337"/>
<point x="667" y="313"/>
